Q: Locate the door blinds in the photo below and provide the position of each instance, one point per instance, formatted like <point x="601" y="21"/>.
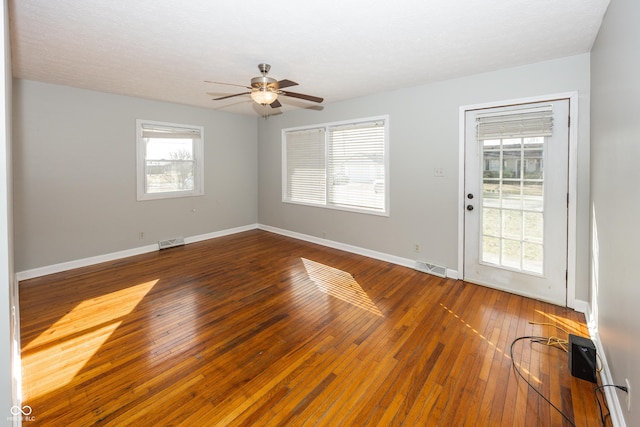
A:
<point x="520" y="123"/>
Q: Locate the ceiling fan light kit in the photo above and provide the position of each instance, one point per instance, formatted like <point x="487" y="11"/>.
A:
<point x="263" y="96"/>
<point x="265" y="90"/>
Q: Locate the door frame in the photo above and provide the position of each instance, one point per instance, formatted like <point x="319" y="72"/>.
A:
<point x="572" y="184"/>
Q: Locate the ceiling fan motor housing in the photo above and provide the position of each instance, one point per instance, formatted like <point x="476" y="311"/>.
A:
<point x="264" y="83"/>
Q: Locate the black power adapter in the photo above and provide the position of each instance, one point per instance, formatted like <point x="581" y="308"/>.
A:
<point x="582" y="358"/>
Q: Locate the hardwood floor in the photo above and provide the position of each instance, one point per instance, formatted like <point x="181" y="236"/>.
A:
<point x="257" y="329"/>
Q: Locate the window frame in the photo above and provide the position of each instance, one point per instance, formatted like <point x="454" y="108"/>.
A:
<point x="141" y="160"/>
<point x="326" y="127"/>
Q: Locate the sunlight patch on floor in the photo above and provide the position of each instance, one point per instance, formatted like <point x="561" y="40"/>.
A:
<point x="57" y="355"/>
<point x="564" y="324"/>
<point x="339" y="284"/>
<point x="492" y="345"/>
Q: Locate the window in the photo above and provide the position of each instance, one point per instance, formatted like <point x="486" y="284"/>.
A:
<point x="169" y="160"/>
<point x="338" y="165"/>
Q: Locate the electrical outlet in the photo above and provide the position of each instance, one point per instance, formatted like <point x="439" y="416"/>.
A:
<point x="417" y="247"/>
<point x="626" y="380"/>
<point x="439" y="172"/>
<point x="141" y="235"/>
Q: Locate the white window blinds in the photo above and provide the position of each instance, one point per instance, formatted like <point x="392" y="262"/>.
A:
<point x="338" y="165"/>
<point x="154" y="130"/>
<point x="305" y="166"/>
<point x="530" y="122"/>
<point x="356" y="157"/>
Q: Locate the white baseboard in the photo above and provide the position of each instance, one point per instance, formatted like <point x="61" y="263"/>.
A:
<point x="453" y="274"/>
<point x="85" y="262"/>
<point x="615" y="408"/>
<point x="580" y="306"/>
<point x="405" y="262"/>
<point x="213" y="235"/>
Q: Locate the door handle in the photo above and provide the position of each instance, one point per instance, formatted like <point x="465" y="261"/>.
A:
<point x="469" y="208"/>
<point x="469" y="196"/>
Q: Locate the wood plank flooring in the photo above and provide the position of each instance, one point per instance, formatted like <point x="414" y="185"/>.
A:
<point x="257" y="329"/>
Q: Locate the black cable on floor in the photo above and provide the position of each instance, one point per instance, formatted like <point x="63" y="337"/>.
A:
<point x="515" y="368"/>
<point x="603" y="417"/>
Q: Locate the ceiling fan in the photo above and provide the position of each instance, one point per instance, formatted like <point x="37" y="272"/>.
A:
<point x="264" y="90"/>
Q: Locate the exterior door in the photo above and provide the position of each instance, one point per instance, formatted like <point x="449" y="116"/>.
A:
<point x="516" y="193"/>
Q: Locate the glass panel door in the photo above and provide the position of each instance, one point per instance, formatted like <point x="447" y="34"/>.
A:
<point x="513" y="203"/>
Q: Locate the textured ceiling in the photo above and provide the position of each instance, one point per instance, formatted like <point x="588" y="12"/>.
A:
<point x="165" y="49"/>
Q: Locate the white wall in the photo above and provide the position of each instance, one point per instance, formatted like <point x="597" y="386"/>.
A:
<point x="8" y="297"/>
<point x="423" y="136"/>
<point x="615" y="136"/>
<point x="75" y="178"/>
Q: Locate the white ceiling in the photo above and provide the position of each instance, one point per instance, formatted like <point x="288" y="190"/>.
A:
<point x="336" y="49"/>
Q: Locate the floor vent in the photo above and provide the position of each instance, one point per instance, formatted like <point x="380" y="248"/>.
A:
<point x="170" y="243"/>
<point x="434" y="269"/>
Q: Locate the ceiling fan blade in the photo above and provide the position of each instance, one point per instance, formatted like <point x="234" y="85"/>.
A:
<point x="231" y="96"/>
<point x="286" y="83"/>
<point x="227" y="84"/>
<point x="302" y="96"/>
<point x="275" y="104"/>
<point x="215" y="94"/>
